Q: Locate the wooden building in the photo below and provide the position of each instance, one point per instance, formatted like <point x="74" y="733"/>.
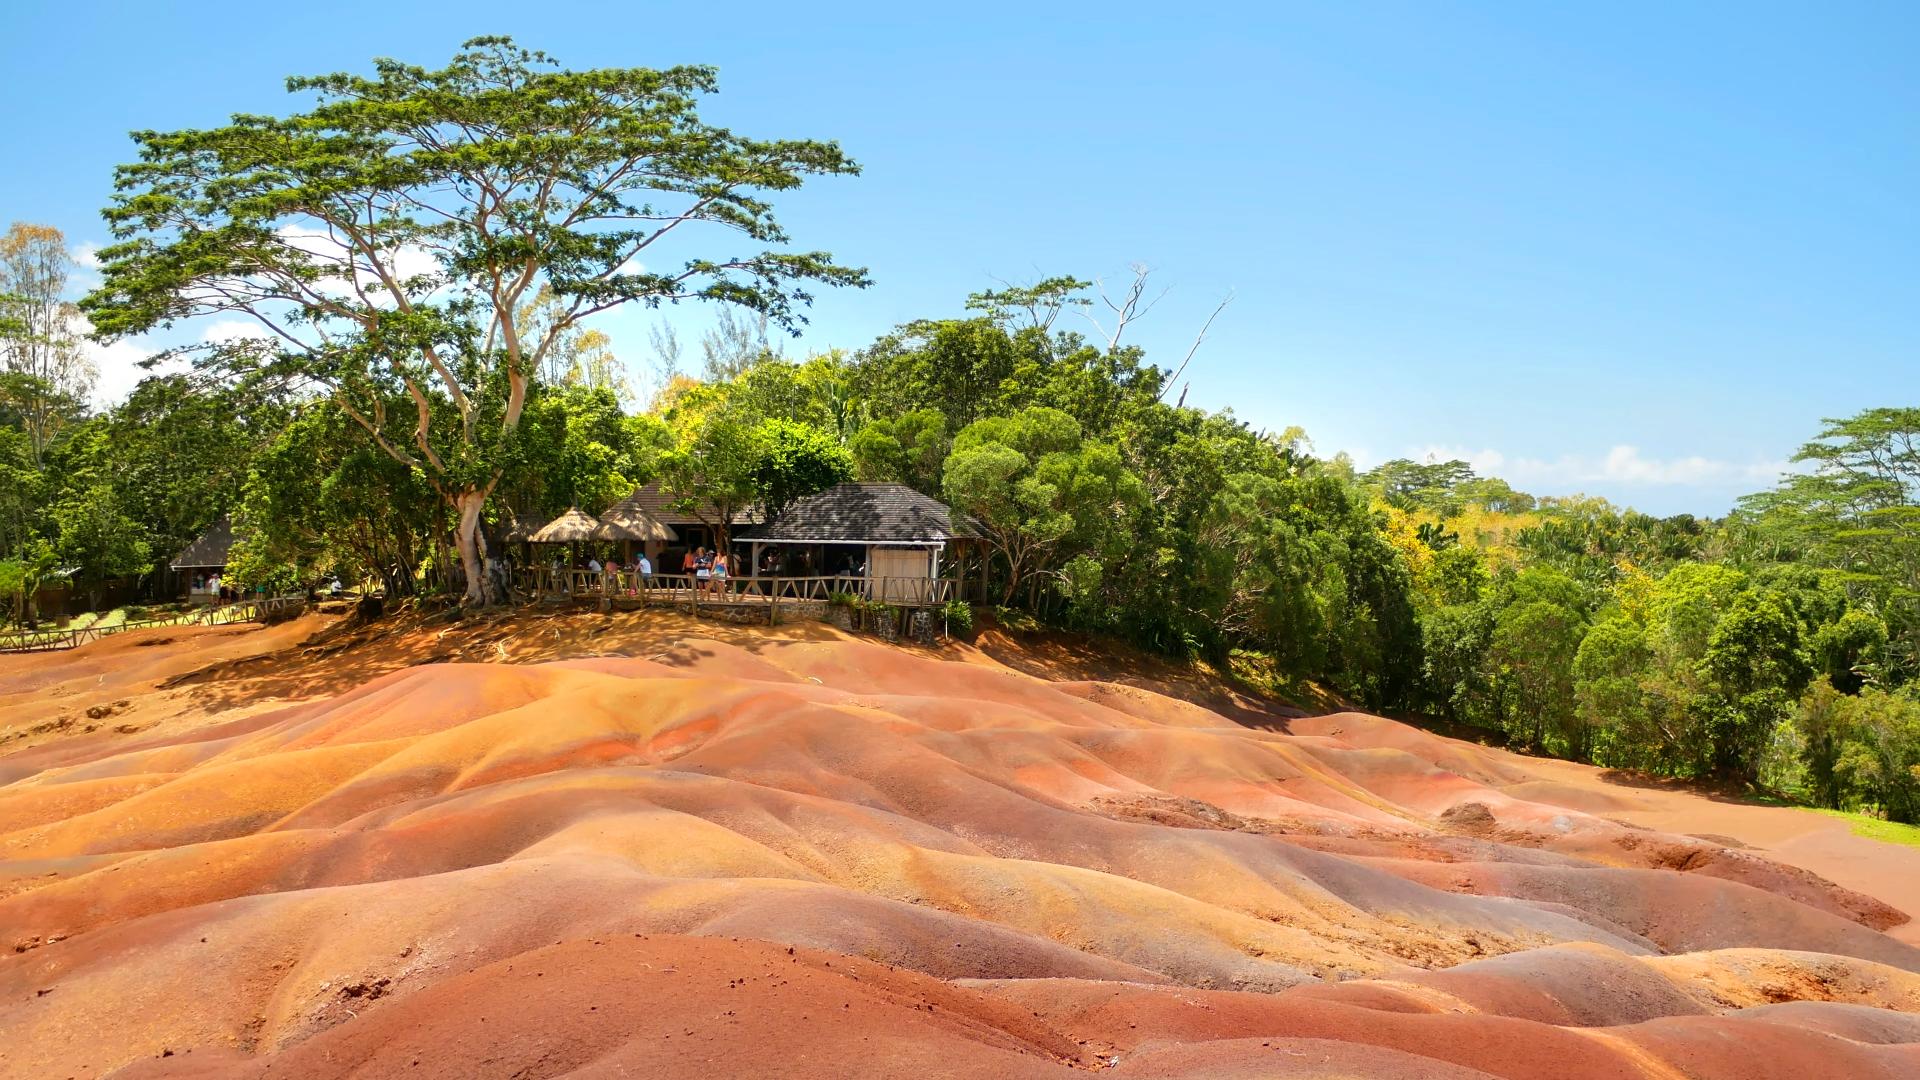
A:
<point x="688" y="528"/>
<point x="204" y="562"/>
<point x="889" y="534"/>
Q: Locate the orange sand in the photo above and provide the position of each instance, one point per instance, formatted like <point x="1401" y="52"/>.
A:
<point x="646" y="846"/>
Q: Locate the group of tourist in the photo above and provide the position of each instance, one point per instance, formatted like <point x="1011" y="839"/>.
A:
<point x="709" y="570"/>
<point x="706" y="570"/>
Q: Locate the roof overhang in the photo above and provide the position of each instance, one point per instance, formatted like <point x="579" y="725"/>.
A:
<point x="882" y="543"/>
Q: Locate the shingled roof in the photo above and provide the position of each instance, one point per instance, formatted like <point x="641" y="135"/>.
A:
<point x="210" y="549"/>
<point x="866" y="513"/>
<point x="658" y="504"/>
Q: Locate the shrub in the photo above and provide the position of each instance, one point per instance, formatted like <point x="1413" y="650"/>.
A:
<point x="959" y="616"/>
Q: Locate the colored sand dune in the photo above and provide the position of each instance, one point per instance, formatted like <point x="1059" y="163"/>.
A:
<point x="822" y="857"/>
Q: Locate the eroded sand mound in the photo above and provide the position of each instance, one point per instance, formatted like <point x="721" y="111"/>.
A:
<point x="833" y="858"/>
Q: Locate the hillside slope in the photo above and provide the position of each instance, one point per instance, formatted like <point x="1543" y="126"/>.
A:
<point x="797" y="854"/>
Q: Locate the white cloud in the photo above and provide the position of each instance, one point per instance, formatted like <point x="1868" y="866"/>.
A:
<point x="405" y="262"/>
<point x="119" y="369"/>
<point x="227" y="331"/>
<point x="1622" y="465"/>
<point x="116" y="366"/>
<point x="87" y="255"/>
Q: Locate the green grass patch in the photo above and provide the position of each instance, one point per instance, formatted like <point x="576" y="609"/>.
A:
<point x="1874" y="828"/>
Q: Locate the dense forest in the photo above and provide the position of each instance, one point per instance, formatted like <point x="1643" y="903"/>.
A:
<point x="383" y="428"/>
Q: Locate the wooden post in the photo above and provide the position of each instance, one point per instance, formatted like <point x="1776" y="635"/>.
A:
<point x="773" y="604"/>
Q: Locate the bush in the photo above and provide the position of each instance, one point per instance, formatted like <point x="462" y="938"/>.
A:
<point x="959" y="616"/>
<point x="1880" y="760"/>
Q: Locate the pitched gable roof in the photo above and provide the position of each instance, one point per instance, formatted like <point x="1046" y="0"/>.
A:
<point x="658" y="504"/>
<point x="872" y="513"/>
<point x="210" y="549"/>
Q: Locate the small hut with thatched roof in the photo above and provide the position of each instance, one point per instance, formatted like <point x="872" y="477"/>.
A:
<point x="576" y="526"/>
<point x="629" y="523"/>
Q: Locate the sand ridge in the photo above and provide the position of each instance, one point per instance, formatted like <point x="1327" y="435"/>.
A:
<point x="703" y="846"/>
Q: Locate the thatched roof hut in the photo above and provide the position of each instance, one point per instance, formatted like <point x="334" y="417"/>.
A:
<point x="573" y="527"/>
<point x="517" y="530"/>
<point x="629" y="520"/>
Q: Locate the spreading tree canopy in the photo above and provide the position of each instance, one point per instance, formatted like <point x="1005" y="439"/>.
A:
<point x="385" y="243"/>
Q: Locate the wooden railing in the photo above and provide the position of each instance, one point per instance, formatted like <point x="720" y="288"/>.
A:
<point x="546" y="583"/>
<point x="245" y="610"/>
<point x="56" y="639"/>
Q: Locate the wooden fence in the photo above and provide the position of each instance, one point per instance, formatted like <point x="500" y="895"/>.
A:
<point x="54" y="640"/>
<point x="627" y="586"/>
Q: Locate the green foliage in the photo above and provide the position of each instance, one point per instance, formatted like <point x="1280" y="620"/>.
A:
<point x="1038" y="490"/>
<point x="323" y="500"/>
<point x="908" y="449"/>
<point x="959" y="617"/>
<point x="575" y="447"/>
<point x="431" y="236"/>
<point x="1851" y="650"/>
<point x="1611" y="698"/>
<point x="97" y="537"/>
<point x="795" y="460"/>
<point x="1858" y="512"/>
<point x="1534" y="643"/>
<point x="1880" y="761"/>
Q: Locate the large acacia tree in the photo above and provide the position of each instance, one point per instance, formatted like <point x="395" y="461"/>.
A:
<point x="384" y="243"/>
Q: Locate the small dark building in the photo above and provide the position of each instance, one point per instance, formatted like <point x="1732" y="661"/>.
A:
<point x="204" y="562"/>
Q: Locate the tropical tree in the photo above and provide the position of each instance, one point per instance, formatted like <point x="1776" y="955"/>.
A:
<point x="45" y="375"/>
<point x="909" y="449"/>
<point x="1756" y="664"/>
<point x="1858" y="511"/>
<point x="178" y="450"/>
<point x="98" y="539"/>
<point x="794" y="460"/>
<point x="1037" y="487"/>
<point x="1609" y="672"/>
<point x="385" y="241"/>
<point x="1880" y="762"/>
<point x="1534" y="643"/>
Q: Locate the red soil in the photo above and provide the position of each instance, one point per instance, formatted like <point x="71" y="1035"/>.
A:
<point x="655" y="847"/>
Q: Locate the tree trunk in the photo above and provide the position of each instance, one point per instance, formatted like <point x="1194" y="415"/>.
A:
<point x="481" y="590"/>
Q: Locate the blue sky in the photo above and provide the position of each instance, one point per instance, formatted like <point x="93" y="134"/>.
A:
<point x="1632" y="250"/>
